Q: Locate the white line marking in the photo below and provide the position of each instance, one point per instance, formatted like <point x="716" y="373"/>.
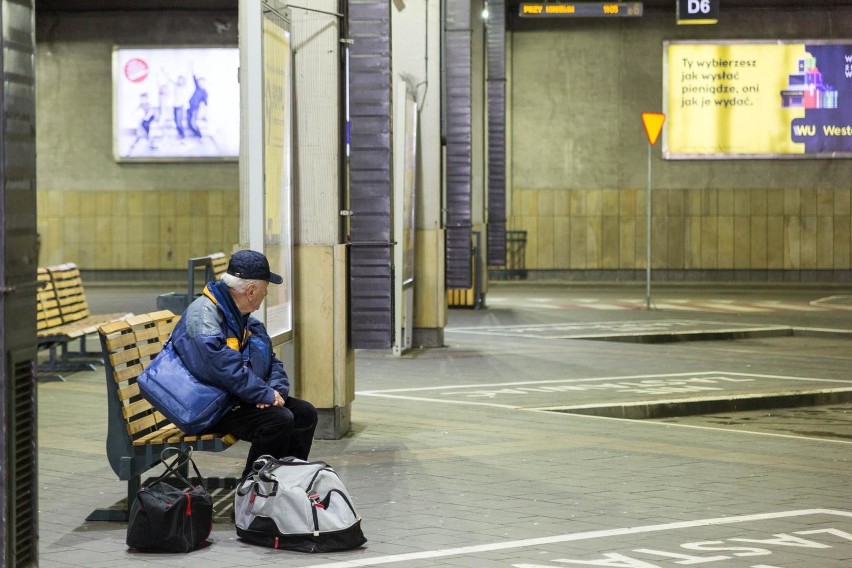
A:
<point x="823" y="330"/>
<point x="590" y="379"/>
<point x="778" y="305"/>
<point x="427" y="399"/>
<point x="649" y="421"/>
<point x="582" y="329"/>
<point x="659" y="422"/>
<point x="428" y="554"/>
<point x="721" y="306"/>
<point x="602" y="306"/>
<point x="550" y="381"/>
<point x="652" y="422"/>
<point x="640" y="403"/>
<point x="679" y="323"/>
<point x="828" y="301"/>
<point x="676" y="305"/>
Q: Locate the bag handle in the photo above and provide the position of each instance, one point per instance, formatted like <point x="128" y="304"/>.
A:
<point x="267" y="463"/>
<point x="260" y="472"/>
<point x="264" y="464"/>
<point x="182" y="457"/>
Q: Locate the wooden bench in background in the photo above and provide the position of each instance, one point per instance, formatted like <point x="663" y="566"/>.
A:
<point x="213" y="265"/>
<point x="136" y="432"/>
<point x="64" y="317"/>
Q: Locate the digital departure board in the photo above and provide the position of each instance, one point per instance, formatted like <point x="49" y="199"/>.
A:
<point x="580" y="10"/>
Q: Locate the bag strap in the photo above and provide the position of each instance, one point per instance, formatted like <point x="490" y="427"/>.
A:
<point x="317" y="473"/>
<point x="182" y="457"/>
<point x="266" y="463"/>
<point x="260" y="471"/>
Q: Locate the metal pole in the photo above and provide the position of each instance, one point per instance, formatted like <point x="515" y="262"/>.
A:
<point x="648" y="236"/>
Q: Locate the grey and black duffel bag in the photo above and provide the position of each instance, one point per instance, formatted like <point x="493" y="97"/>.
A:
<point x="296" y="505"/>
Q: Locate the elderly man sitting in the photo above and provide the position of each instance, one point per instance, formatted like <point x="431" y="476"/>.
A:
<point x="223" y="346"/>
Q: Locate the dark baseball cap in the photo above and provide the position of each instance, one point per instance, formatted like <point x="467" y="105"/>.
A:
<point x="252" y="265"/>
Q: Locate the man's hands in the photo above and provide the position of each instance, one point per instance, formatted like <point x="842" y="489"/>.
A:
<point x="277" y="401"/>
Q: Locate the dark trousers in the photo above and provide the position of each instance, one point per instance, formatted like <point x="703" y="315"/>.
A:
<point x="278" y="431"/>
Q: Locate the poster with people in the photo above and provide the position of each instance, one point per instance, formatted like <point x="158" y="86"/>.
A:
<point x="758" y="99"/>
<point x="176" y="104"/>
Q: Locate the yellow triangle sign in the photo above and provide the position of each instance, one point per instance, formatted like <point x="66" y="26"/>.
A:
<point x="653" y="122"/>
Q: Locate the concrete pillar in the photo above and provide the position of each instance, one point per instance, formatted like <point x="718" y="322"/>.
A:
<point x="324" y="358"/>
<point x="416" y="34"/>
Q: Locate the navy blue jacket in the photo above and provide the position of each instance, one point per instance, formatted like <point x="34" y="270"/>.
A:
<point x="229" y="350"/>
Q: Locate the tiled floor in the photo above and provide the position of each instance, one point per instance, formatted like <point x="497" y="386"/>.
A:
<point x="457" y="459"/>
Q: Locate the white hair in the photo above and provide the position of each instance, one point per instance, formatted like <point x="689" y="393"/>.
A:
<point x="235" y="282"/>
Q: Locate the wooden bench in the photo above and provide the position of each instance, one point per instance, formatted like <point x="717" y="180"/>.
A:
<point x="214" y="265"/>
<point x="63" y="317"/>
<point x="136" y="432"/>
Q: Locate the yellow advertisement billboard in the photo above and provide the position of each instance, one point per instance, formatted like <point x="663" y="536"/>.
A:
<point x="757" y="99"/>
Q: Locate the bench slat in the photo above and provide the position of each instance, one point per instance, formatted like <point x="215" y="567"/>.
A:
<point x="128" y="374"/>
<point x="90" y="323"/>
<point x="171" y="435"/>
<point x="68" y="285"/>
<point x="128" y="392"/>
<point x="108" y="329"/>
<point x="164" y="435"/>
<point x="125" y="358"/>
<point x="156" y="436"/>
<point x="47" y="306"/>
<point x="150" y="350"/>
<point x="139" y="424"/>
<point x="135" y="408"/>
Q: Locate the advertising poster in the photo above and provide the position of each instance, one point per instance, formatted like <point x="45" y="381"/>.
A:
<point x="756" y="99"/>
<point x="176" y="104"/>
<point x="277" y="77"/>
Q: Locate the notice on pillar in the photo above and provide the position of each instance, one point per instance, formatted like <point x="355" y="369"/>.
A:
<point x="729" y="100"/>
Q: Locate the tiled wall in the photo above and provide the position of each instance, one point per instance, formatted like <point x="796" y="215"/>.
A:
<point x="133" y="230"/>
<point x="707" y="229"/>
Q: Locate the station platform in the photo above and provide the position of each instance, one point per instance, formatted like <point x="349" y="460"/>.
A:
<point x="560" y="425"/>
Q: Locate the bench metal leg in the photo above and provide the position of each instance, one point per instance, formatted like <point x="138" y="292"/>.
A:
<point x="83" y="355"/>
<point x="50" y="369"/>
<point x="120" y="512"/>
<point x="220" y="488"/>
<point x="52" y="364"/>
<point x="109" y="515"/>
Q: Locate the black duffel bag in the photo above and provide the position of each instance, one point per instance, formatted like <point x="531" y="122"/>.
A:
<point x="165" y="518"/>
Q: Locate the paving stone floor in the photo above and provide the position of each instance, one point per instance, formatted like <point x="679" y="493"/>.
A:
<point x="457" y="459"/>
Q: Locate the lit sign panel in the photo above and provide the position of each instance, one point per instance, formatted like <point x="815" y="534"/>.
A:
<point x="697" y="11"/>
<point x="580" y="10"/>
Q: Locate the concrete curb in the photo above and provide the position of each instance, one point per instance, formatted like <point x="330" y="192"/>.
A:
<point x="696" y="335"/>
<point x="721" y="334"/>
<point x="644" y="410"/>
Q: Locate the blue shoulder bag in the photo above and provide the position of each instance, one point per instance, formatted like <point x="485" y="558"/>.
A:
<point x="192" y="405"/>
